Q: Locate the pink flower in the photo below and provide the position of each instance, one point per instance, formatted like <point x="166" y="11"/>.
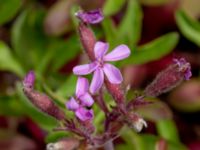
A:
<point x="82" y="99"/>
<point x="100" y="67"/>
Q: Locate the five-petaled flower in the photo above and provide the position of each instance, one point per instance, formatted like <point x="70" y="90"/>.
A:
<point x="82" y="100"/>
<point x="99" y="67"/>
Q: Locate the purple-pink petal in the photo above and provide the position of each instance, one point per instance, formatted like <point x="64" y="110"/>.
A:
<point x="82" y="86"/>
<point x="84" y="69"/>
<point x="83" y="114"/>
<point x="100" y="49"/>
<point x="119" y="53"/>
<point x="113" y="74"/>
<point x="90" y="17"/>
<point x="72" y="104"/>
<point x="184" y="66"/>
<point x="29" y="80"/>
<point x="97" y="80"/>
<point x="86" y="100"/>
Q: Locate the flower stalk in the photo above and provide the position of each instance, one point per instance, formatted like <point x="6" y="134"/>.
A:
<point x="86" y="93"/>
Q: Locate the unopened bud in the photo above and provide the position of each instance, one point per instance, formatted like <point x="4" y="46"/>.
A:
<point x="41" y="101"/>
<point x="90" y="17"/>
<point x="29" y="80"/>
<point x="44" y="103"/>
<point x="169" y="78"/>
<point x="88" y="40"/>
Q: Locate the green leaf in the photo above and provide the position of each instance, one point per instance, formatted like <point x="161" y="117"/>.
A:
<point x="9" y="9"/>
<point x="155" y="2"/>
<point x="10" y="106"/>
<point x="8" y="62"/>
<point x="112" y="6"/>
<point x="55" y="136"/>
<point x="151" y="141"/>
<point x="28" y="38"/>
<point x="156" y="111"/>
<point x="189" y="27"/>
<point x="129" y="31"/>
<point x="64" y="51"/>
<point x="68" y="87"/>
<point x="110" y="32"/>
<point x="132" y="139"/>
<point x="167" y="129"/>
<point x="153" y="50"/>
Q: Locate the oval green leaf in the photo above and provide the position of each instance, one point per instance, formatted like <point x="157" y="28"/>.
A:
<point x="153" y="50"/>
<point x="9" y="9"/>
<point x="8" y="62"/>
<point x="189" y="27"/>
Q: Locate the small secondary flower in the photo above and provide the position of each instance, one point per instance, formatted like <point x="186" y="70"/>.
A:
<point x="100" y="67"/>
<point x="90" y="17"/>
<point x="82" y="99"/>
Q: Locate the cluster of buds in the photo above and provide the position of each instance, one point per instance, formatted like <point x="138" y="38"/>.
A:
<point x="106" y="74"/>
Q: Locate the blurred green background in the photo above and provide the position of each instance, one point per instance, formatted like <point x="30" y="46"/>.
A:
<point x="41" y="35"/>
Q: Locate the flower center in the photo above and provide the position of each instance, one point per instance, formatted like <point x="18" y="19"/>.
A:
<point x="100" y="63"/>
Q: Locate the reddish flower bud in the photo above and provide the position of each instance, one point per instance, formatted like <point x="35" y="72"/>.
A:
<point x="169" y="78"/>
<point x="41" y="101"/>
<point x="88" y="40"/>
<point x="44" y="103"/>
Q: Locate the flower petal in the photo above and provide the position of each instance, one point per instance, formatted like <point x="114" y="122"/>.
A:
<point x="100" y="49"/>
<point x="119" y="53"/>
<point x="72" y="104"/>
<point x="29" y="80"/>
<point x="113" y="74"/>
<point x="97" y="81"/>
<point x="84" y="69"/>
<point x="84" y="114"/>
<point x="86" y="99"/>
<point x="82" y="86"/>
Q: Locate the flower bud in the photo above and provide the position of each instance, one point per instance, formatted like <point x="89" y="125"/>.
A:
<point x="90" y="17"/>
<point x="44" y="103"/>
<point x="169" y="78"/>
<point x="29" y="80"/>
<point x="41" y="101"/>
<point x="88" y="40"/>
